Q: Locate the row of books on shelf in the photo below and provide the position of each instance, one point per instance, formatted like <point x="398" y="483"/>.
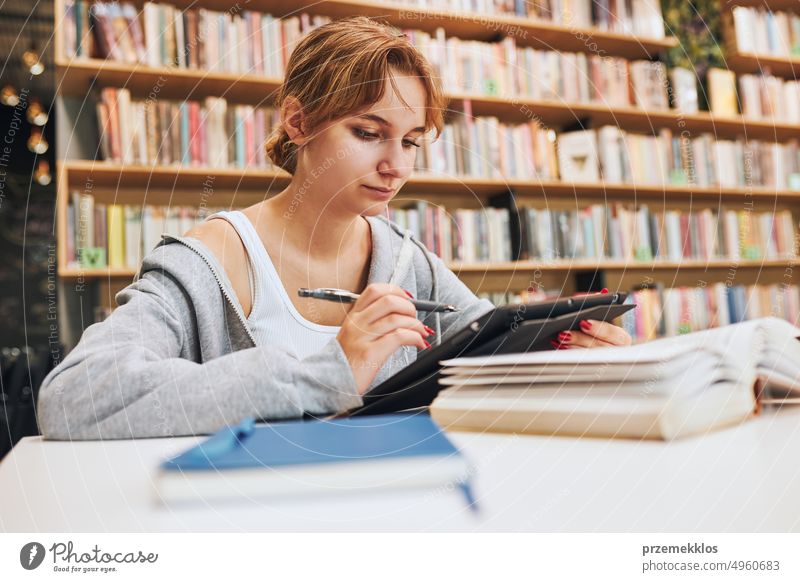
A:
<point x="628" y="233"/>
<point x="634" y="17"/>
<point x="121" y="234"/>
<point x="620" y="157"/>
<point x="503" y="69"/>
<point x="764" y="32"/>
<point x="486" y="148"/>
<point x="208" y="133"/>
<point x="771" y="98"/>
<point x="246" y="41"/>
<point x="664" y="311"/>
<point x="599" y="232"/>
<point x="464" y="235"/>
<point x="261" y="45"/>
<point x="118" y="236"/>
<point x="162" y="35"/>
<point x="669" y="311"/>
<point x="214" y="133"/>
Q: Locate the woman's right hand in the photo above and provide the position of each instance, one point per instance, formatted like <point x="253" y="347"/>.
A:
<point x="380" y="322"/>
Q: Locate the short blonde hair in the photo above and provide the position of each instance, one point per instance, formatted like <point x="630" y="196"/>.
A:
<point x="341" y="68"/>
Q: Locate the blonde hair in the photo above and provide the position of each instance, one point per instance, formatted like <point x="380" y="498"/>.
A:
<point x="341" y="68"/>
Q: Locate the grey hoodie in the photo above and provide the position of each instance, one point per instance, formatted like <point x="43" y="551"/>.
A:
<point x="176" y="356"/>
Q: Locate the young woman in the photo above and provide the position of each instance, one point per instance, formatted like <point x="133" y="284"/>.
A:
<point x="213" y="330"/>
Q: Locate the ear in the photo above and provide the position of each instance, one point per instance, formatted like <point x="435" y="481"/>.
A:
<point x="293" y="120"/>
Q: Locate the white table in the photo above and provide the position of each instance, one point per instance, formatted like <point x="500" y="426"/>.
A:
<point x="742" y="479"/>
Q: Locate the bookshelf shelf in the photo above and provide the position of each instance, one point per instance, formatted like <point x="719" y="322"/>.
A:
<point x="617" y="265"/>
<point x="75" y="76"/>
<point x="756" y="63"/>
<point x="116" y="177"/>
<point x="528" y="266"/>
<point x="774" y="5"/>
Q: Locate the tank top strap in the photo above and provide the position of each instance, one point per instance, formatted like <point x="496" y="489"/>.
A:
<point x="257" y="258"/>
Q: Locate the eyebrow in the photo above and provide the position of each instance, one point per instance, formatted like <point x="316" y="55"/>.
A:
<point x="382" y="121"/>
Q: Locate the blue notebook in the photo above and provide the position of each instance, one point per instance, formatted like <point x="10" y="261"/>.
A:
<point x="297" y="457"/>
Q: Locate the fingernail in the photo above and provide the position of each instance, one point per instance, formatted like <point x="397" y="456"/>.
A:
<point x="565" y="337"/>
<point x="604" y="290"/>
<point x="427" y="344"/>
<point x="409" y="294"/>
<point x="586" y="325"/>
<point x="555" y="344"/>
<point x="429" y="330"/>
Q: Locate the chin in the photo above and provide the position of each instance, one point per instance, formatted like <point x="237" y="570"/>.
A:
<point x="375" y="209"/>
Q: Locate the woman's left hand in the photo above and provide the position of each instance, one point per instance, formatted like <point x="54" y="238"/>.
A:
<point x="593" y="334"/>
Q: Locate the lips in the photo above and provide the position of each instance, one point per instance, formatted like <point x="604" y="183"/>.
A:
<point x="380" y="189"/>
<point x="380" y="192"/>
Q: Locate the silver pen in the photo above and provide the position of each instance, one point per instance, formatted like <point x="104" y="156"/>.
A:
<point x="342" y="296"/>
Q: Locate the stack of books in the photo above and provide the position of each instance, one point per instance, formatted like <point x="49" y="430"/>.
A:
<point x="160" y="132"/>
<point x="664" y="389"/>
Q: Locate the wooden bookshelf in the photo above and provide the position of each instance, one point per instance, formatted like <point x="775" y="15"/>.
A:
<point x="75" y="76"/>
<point x="236" y="187"/>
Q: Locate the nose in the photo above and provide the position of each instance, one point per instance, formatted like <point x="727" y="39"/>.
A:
<point x="395" y="162"/>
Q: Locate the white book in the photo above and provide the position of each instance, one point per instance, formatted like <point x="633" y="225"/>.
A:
<point x="180" y="36"/>
<point x="133" y="236"/>
<point x="578" y="157"/>
<point x="126" y="124"/>
<point x="684" y="90"/>
<point x="743" y="23"/>
<point x="610" y="140"/>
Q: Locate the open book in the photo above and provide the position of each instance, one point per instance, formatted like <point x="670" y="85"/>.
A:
<point x="663" y="389"/>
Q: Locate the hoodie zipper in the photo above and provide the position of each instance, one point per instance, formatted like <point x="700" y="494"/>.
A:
<point x="227" y="295"/>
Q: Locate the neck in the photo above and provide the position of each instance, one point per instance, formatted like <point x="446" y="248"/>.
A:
<point x="309" y="221"/>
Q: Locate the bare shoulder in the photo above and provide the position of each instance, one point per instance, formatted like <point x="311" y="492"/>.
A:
<point x="219" y="236"/>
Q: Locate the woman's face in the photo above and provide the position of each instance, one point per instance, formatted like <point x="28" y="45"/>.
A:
<point x="360" y="162"/>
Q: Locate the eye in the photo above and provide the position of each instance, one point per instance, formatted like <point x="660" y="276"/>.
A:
<point x="365" y="135"/>
<point x="408" y="143"/>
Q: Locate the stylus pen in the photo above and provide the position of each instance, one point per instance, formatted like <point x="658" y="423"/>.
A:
<point x="343" y="296"/>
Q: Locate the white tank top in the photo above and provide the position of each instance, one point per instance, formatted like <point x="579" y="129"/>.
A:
<point x="273" y="317"/>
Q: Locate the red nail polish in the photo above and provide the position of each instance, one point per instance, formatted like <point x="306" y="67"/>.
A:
<point x="555" y="344"/>
<point x="586" y="325"/>
<point x="604" y="290"/>
<point x="429" y="330"/>
<point x="565" y="336"/>
<point x="427" y="344"/>
<point x="409" y="294"/>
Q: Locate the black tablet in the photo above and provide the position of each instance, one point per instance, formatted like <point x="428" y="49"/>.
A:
<point x="508" y="329"/>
